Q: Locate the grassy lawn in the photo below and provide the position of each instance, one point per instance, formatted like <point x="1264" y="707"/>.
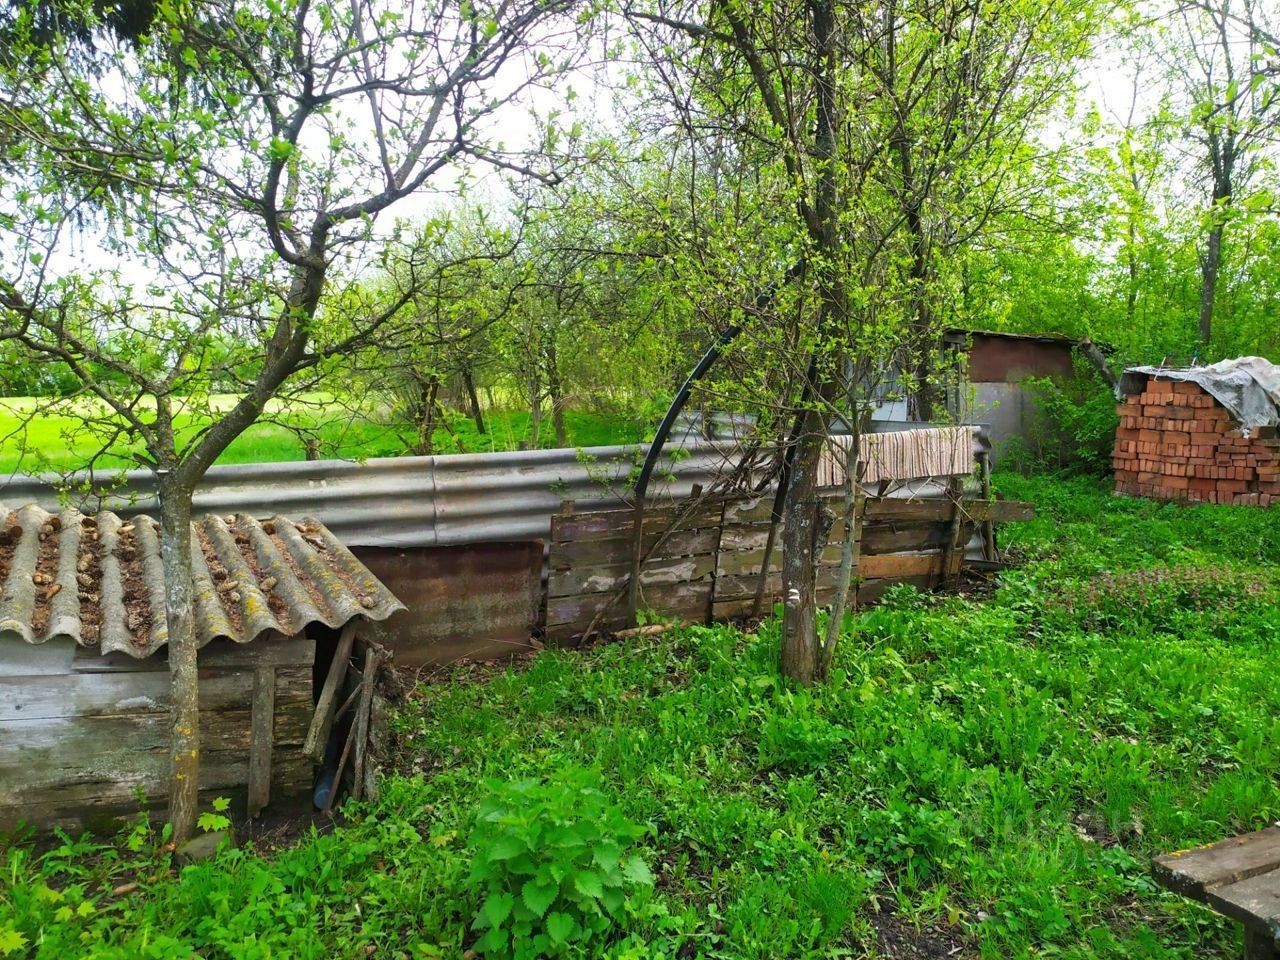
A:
<point x="982" y="777"/>
<point x="60" y="442"/>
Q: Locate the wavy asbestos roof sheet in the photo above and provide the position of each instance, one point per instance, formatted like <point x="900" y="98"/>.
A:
<point x="99" y="579"/>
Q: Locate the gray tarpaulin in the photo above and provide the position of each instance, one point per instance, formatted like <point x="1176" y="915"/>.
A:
<point x="1248" y="386"/>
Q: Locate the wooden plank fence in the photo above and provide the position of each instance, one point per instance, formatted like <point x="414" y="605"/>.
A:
<point x="703" y="558"/>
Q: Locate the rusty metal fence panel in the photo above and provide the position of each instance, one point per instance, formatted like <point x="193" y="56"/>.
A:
<point x="406" y="501"/>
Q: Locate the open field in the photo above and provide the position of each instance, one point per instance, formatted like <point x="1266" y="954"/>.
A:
<point x="33" y="442"/>
<point x="983" y="776"/>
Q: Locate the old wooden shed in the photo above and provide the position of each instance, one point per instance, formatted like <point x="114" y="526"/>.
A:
<point x="84" y="682"/>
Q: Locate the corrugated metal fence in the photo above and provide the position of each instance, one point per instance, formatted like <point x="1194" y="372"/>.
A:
<point x="407" y="501"/>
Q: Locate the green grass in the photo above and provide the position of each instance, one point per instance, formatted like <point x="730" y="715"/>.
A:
<point x="32" y="442"/>
<point x="989" y="774"/>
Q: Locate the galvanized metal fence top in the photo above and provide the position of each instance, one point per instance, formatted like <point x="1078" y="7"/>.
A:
<point x="401" y="501"/>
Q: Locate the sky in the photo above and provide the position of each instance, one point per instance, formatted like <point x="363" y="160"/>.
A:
<point x="1105" y="82"/>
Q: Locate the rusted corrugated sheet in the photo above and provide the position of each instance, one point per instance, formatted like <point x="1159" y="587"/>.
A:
<point x="406" y="501"/>
<point x="464" y="602"/>
<point x="99" y="579"/>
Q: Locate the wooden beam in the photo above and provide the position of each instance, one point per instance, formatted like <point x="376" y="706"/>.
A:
<point x="1194" y="872"/>
<point x="372" y="656"/>
<point x="322" y="719"/>
<point x="261" y="738"/>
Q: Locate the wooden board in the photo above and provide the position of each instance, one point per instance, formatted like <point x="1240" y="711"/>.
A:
<point x="682" y="599"/>
<point x="124" y="694"/>
<point x="618" y="524"/>
<point x="62" y="764"/>
<point x="607" y="579"/>
<point x="681" y="543"/>
<point x="1194" y="872"/>
<point x="280" y="652"/>
<point x="1255" y="902"/>
<point x="100" y="807"/>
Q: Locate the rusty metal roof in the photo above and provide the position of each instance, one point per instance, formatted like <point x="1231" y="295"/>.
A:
<point x="99" y="579"/>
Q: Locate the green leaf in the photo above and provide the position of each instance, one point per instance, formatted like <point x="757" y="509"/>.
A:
<point x="11" y="941"/>
<point x="606" y="855"/>
<point x="506" y="847"/>
<point x="561" y="927"/>
<point x="587" y="882"/>
<point x="637" y="871"/>
<point x="497" y="907"/>
<point x="538" y="897"/>
<point x="493" y="941"/>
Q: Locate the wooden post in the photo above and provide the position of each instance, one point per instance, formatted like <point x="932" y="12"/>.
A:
<point x="322" y="719"/>
<point x="1259" y="944"/>
<point x="955" y="492"/>
<point x="261" y="738"/>
<point x="371" y="659"/>
<point x="988" y="526"/>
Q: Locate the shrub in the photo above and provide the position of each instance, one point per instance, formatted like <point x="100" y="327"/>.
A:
<point x="1074" y="428"/>
<point x="551" y="860"/>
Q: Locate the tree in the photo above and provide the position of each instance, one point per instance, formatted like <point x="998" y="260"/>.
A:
<point x="1217" y="56"/>
<point x="238" y="157"/>
<point x="876" y="138"/>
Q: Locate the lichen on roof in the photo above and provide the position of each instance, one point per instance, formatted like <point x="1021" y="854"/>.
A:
<point x="100" y="580"/>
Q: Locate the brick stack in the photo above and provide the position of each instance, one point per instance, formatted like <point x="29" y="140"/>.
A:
<point x="1176" y="442"/>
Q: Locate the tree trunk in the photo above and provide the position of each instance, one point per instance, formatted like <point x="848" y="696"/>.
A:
<point x="1210" y="264"/>
<point x="804" y="532"/>
<point x="556" y="394"/>
<point x="175" y="555"/>
<point x="535" y="413"/>
<point x="427" y="417"/>
<point x="803" y="536"/>
<point x="469" y="384"/>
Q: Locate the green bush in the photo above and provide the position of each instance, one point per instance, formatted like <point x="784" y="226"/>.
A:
<point x="1074" y="428"/>
<point x="551" y="860"/>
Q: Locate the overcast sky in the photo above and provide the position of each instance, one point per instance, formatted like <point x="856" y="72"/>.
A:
<point x="1105" y="81"/>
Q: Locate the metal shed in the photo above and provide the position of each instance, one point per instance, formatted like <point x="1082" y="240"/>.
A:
<point x="84" y="682"/>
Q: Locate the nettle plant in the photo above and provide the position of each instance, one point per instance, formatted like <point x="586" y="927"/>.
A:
<point x="553" y="862"/>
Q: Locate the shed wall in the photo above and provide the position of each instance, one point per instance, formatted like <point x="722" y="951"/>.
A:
<point x="77" y="744"/>
<point x="1009" y="360"/>
<point x="480" y="600"/>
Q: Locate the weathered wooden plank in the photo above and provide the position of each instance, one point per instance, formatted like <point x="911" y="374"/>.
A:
<point x="116" y="694"/>
<point x="896" y="536"/>
<point x="681" y="543"/>
<point x="940" y="509"/>
<point x="1255" y="902"/>
<point x="69" y="750"/>
<point x="21" y="659"/>
<point x="283" y="651"/>
<point x="891" y="566"/>
<point x="327" y="702"/>
<point x="99" y="806"/>
<point x="869" y="591"/>
<point x="261" y="742"/>
<point x="589" y="580"/>
<point x="113" y="694"/>
<point x="683" y="599"/>
<point x="748" y="562"/>
<point x="618" y="524"/>
<point x="1195" y="871"/>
